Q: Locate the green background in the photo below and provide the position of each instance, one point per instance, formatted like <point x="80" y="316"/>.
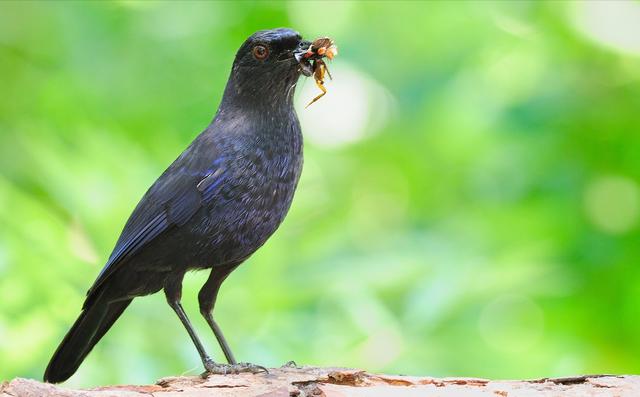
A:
<point x="482" y="220"/>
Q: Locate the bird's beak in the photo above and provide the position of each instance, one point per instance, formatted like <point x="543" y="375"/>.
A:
<point x="305" y="66"/>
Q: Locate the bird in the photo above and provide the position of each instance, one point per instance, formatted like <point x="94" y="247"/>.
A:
<point x="212" y="208"/>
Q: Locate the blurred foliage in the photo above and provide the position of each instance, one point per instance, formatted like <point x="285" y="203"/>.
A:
<point x="489" y="226"/>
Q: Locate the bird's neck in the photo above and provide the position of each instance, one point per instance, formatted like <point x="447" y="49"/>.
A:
<point x="242" y="110"/>
<point x="260" y="94"/>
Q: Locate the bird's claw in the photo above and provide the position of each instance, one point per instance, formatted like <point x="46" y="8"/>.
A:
<point x="290" y="364"/>
<point x="213" y="368"/>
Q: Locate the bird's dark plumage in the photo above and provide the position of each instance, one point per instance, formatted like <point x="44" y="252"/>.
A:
<point x="213" y="207"/>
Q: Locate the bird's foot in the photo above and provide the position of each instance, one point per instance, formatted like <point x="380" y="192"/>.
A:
<point x="213" y="368"/>
<point x="290" y="364"/>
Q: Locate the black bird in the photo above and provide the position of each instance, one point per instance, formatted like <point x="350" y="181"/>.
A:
<point x="219" y="201"/>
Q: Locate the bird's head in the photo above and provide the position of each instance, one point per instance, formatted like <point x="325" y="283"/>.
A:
<point x="268" y="65"/>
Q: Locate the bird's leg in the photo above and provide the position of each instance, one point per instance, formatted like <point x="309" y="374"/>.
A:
<point x="207" y="299"/>
<point x="173" y="292"/>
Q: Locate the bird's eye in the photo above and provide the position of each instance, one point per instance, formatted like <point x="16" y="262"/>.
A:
<point x="260" y="52"/>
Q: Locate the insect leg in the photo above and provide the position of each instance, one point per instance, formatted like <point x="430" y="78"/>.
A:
<point x="326" y="69"/>
<point x="320" y="85"/>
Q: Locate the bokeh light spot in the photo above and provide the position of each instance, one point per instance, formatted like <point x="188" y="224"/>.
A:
<point x="354" y="106"/>
<point x="615" y="24"/>
<point x="612" y="204"/>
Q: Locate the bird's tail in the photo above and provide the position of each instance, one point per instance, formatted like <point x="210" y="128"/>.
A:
<point x="94" y="321"/>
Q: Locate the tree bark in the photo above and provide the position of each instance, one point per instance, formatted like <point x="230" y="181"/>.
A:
<point x="340" y="382"/>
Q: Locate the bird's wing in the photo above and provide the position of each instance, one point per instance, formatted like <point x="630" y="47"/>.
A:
<point x="175" y="197"/>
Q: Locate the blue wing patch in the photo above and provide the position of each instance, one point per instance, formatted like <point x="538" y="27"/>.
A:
<point x="208" y="185"/>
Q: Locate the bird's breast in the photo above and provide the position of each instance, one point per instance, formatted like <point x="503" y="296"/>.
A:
<point x="261" y="177"/>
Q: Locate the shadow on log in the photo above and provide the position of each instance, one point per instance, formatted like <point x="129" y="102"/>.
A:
<point x="340" y="382"/>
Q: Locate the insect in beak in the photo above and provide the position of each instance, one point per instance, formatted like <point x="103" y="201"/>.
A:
<point x="313" y="57"/>
<point x="305" y="65"/>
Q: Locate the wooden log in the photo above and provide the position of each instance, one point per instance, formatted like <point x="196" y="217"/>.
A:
<point x="340" y="382"/>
